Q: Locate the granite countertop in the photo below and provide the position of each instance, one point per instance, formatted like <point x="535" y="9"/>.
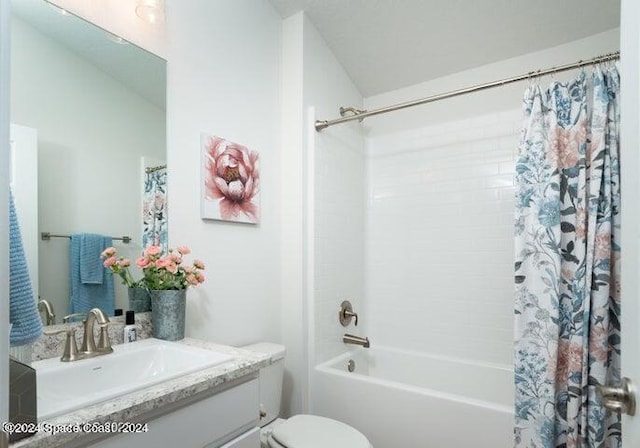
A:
<point x="134" y="406"/>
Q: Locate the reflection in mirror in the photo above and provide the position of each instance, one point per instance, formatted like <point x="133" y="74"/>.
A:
<point x="89" y="116"/>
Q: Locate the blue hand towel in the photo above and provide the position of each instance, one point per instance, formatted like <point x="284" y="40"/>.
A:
<point x="91" y="268"/>
<point x="85" y="296"/>
<point x="23" y="311"/>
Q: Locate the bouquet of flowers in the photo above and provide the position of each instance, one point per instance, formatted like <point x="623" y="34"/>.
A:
<point x="158" y="271"/>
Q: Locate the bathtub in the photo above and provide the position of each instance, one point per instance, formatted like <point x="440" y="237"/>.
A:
<point x="403" y="399"/>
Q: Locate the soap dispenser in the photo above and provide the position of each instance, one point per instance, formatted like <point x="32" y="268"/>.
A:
<point x="130" y="334"/>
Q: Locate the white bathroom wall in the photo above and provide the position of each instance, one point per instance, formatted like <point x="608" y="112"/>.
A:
<point x="338" y="196"/>
<point x="88" y="120"/>
<point x="323" y="195"/>
<point x="224" y="78"/>
<point x="440" y="208"/>
<point x="294" y="310"/>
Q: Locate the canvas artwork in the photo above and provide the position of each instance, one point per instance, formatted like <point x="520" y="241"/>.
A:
<point x="230" y="181"/>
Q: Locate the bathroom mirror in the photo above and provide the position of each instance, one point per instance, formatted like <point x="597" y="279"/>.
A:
<point x="94" y="107"/>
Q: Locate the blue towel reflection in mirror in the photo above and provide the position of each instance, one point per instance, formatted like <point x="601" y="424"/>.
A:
<point x="91" y="283"/>
<point x="26" y="325"/>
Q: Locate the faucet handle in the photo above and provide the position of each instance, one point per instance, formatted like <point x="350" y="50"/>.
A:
<point x="350" y="314"/>
<point x="345" y="314"/>
<point x="70" y="352"/>
<point x="104" y="343"/>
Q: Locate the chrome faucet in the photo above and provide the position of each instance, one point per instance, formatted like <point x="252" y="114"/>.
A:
<point x="357" y="340"/>
<point x="46" y="307"/>
<point x="88" y="340"/>
<point x="89" y="348"/>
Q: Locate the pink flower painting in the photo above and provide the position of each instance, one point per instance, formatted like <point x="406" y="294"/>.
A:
<point x="230" y="181"/>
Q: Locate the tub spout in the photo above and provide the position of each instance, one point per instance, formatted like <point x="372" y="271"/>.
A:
<point x="357" y="340"/>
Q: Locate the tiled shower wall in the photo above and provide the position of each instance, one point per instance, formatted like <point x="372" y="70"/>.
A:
<point x="340" y="188"/>
<point x="439" y="238"/>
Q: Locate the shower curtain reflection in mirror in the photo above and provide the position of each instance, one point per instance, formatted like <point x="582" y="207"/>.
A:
<point x="154" y="207"/>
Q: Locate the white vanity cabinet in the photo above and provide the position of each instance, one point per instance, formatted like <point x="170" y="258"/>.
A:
<point x="227" y="419"/>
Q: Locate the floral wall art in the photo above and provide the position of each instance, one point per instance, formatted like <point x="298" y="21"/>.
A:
<point x="230" y="181"/>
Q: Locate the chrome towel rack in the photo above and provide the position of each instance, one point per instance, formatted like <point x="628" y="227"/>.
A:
<point x="48" y="235"/>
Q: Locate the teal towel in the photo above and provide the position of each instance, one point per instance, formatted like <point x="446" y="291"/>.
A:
<point x="85" y="296"/>
<point x="23" y="312"/>
<point x="91" y="268"/>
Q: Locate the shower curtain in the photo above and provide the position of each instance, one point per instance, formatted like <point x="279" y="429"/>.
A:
<point x="567" y="301"/>
<point x="154" y="209"/>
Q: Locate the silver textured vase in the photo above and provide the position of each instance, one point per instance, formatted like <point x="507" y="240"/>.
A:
<point x="139" y="300"/>
<point x="168" y="309"/>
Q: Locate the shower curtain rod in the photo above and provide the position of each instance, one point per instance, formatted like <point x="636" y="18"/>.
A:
<point x="362" y="114"/>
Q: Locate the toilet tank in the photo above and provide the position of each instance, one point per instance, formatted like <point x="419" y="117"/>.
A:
<point x="271" y="378"/>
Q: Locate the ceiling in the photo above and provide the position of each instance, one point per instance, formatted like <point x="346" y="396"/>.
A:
<point x="382" y="44"/>
<point x="137" y="69"/>
<point x="388" y="44"/>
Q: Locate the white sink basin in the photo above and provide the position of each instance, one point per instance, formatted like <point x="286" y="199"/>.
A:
<point x="67" y="386"/>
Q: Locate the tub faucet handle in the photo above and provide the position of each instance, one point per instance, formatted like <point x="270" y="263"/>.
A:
<point x="350" y="314"/>
<point x="345" y="314"/>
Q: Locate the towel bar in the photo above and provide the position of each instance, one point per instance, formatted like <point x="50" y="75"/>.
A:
<point x="48" y="235"/>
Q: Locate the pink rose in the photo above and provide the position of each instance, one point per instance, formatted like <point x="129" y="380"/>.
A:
<point x="125" y="262"/>
<point x="200" y="277"/>
<point x="152" y="251"/>
<point x="171" y="267"/>
<point x="184" y="250"/>
<point x="176" y="258"/>
<point x="191" y="279"/>
<point x="198" y="264"/>
<point x="109" y="262"/>
<point x="143" y="262"/>
<point x="232" y="175"/>
<point x="108" y="252"/>
<point x="161" y="263"/>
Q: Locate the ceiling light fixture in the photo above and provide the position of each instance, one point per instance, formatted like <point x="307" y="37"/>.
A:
<point x="151" y="11"/>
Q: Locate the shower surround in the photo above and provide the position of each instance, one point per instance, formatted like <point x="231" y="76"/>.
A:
<point x="428" y="263"/>
<point x="410" y="217"/>
<point x="439" y="239"/>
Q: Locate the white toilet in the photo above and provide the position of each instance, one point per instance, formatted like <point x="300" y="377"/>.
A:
<point x="299" y="431"/>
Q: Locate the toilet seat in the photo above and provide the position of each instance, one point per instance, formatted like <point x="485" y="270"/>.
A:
<point x="312" y="431"/>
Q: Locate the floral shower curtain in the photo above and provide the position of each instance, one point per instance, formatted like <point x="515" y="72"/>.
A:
<point x="567" y="304"/>
<point x="154" y="209"/>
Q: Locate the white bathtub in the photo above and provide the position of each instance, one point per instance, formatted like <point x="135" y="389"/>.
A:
<point x="402" y="399"/>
